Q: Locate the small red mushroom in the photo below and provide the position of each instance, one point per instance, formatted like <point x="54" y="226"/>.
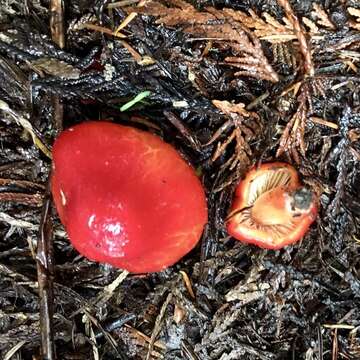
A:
<point x="126" y="197"/>
<point x="271" y="209"/>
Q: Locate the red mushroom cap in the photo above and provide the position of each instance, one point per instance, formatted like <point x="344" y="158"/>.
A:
<point x="126" y="197"/>
<point x="271" y="209"/>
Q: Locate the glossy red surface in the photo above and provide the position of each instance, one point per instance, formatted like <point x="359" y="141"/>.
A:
<point x="126" y="197"/>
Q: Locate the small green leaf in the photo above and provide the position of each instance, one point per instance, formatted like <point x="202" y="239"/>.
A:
<point x="135" y="100"/>
<point x="198" y="171"/>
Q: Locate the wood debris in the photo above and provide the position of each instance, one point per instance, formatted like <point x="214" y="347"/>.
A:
<point x="226" y="28"/>
<point x="242" y="132"/>
<point x="355" y="24"/>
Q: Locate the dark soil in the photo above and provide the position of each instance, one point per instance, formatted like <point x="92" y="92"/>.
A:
<point x="301" y="302"/>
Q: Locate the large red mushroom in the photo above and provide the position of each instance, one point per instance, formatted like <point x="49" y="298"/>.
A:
<point x="271" y="209"/>
<point x="126" y="197"/>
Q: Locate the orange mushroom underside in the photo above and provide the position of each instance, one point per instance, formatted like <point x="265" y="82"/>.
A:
<point x="271" y="209"/>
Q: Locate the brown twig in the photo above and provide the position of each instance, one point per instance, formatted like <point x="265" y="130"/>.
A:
<point x="159" y="344"/>
<point x="335" y="347"/>
<point x="355" y="24"/>
<point x="241" y="134"/>
<point x="25" y="199"/>
<point x="45" y="271"/>
<point x="21" y="183"/>
<point x="322" y="16"/>
<point x="58" y="36"/>
<point x="27" y="125"/>
<point x="57" y="22"/>
<point x="184" y="131"/>
<point x="102" y="29"/>
<point x="45" y="256"/>
<point x="157" y="326"/>
<point x="324" y="122"/>
<point x="187" y="282"/>
<point x="118" y="4"/>
<point x="300" y="34"/>
<point x="225" y="28"/>
<point x="292" y="138"/>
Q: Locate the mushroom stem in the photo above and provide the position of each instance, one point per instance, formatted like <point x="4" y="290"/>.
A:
<point x="279" y="206"/>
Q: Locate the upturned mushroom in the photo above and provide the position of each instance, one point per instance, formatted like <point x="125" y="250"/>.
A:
<point x="126" y="197"/>
<point x="271" y="209"/>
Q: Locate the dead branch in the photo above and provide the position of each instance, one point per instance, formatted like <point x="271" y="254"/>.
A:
<point x="292" y="138"/>
<point x="301" y="36"/>
<point x="355" y="24"/>
<point x="25" y="199"/>
<point x="244" y="125"/>
<point x="267" y="29"/>
<point x="157" y="326"/>
<point x="226" y="28"/>
<point x="45" y="270"/>
<point x="58" y="36"/>
<point x="183" y="130"/>
<point x="21" y="183"/>
<point x="322" y="17"/>
<point x="57" y="22"/>
<point x="45" y="252"/>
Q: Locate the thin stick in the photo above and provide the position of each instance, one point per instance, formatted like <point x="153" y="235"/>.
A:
<point x="45" y="251"/>
<point x="157" y="326"/>
<point x="26" y="199"/>
<point x="121" y="3"/>
<point x="45" y="256"/>
<point x="45" y="271"/>
<point x="57" y="22"/>
<point x="102" y="29"/>
<point x="324" y="122"/>
<point x="26" y="124"/>
<point x="321" y="346"/>
<point x="58" y="36"/>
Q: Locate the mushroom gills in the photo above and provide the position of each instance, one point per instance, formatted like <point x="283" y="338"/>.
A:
<point x="271" y="179"/>
<point x="270" y="208"/>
